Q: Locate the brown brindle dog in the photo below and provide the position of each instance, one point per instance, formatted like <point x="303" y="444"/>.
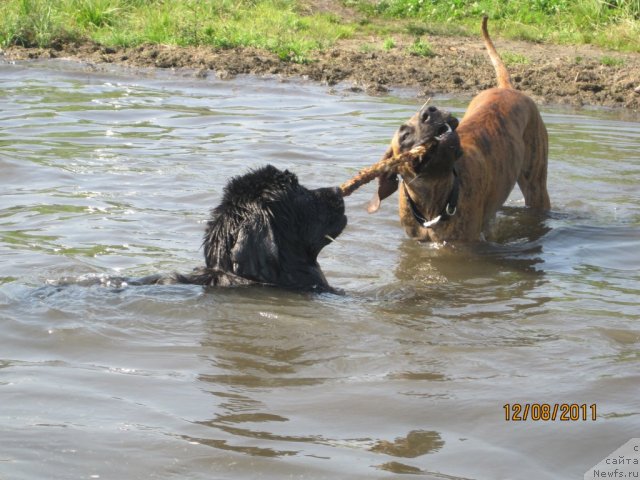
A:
<point x="454" y="190"/>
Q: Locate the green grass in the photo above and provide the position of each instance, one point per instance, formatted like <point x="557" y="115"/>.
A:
<point x="610" y="61"/>
<point x="512" y="58"/>
<point x="274" y="25"/>
<point x="367" y="48"/>
<point x="389" y="43"/>
<point x="96" y="13"/>
<point x="421" y="48"/>
<point x="613" y="24"/>
<point x="286" y="28"/>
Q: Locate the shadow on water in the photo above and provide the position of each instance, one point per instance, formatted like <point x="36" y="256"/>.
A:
<point x="511" y="274"/>
<point x="508" y="266"/>
<point x="271" y="341"/>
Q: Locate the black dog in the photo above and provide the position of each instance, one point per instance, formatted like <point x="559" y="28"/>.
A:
<point x="268" y="230"/>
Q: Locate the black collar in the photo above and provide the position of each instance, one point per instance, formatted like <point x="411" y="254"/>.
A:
<point x="446" y="213"/>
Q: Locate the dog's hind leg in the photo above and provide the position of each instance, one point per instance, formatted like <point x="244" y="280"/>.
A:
<point x="533" y="175"/>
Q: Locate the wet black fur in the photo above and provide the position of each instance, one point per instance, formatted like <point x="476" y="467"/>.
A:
<point x="269" y="229"/>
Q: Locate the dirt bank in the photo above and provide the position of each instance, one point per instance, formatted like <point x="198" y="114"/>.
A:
<point x="550" y="74"/>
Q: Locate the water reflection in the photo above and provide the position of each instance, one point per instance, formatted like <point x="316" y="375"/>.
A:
<point x="415" y="444"/>
<point x="491" y="278"/>
<point x="250" y="352"/>
<point x="225" y="445"/>
<point x="281" y="341"/>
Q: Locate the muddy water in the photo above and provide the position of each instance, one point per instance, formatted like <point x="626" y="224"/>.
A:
<point x="114" y="172"/>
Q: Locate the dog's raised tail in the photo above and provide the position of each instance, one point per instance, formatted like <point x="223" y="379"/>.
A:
<point x="504" y="79"/>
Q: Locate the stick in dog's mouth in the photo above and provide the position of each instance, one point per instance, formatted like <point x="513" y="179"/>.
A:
<point x="385" y="166"/>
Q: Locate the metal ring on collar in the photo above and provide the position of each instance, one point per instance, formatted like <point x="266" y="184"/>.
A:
<point x="450" y="211"/>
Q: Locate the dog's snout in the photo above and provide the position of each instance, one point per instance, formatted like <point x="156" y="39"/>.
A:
<point x="332" y="197"/>
<point x="337" y="200"/>
<point x="428" y="112"/>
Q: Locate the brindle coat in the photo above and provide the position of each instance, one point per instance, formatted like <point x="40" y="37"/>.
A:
<point x="500" y="141"/>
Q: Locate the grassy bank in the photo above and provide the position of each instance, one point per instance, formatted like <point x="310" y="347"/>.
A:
<point x="613" y="24"/>
<point x="293" y="31"/>
<point x="274" y="25"/>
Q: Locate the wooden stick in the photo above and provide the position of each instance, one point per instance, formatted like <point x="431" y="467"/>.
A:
<point x="383" y="167"/>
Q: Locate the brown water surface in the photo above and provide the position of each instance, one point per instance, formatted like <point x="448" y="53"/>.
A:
<point x="407" y="373"/>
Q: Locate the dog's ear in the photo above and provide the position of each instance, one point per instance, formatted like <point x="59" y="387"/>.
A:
<point x="386" y="186"/>
<point x="255" y="252"/>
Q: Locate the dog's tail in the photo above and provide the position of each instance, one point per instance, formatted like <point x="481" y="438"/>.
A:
<point x="504" y="79"/>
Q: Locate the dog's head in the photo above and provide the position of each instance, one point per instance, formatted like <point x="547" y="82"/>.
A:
<point x="270" y="229"/>
<point x="436" y="130"/>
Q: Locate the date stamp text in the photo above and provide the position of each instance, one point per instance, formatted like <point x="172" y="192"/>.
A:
<point x="550" y="412"/>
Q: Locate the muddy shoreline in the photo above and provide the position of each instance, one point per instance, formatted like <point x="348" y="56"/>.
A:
<point x="551" y="74"/>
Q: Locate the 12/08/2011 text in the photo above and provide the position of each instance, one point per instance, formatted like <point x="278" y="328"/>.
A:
<point x="547" y="412"/>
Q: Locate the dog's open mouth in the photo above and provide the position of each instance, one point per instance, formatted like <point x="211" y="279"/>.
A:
<point x="444" y="135"/>
<point x="442" y="131"/>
